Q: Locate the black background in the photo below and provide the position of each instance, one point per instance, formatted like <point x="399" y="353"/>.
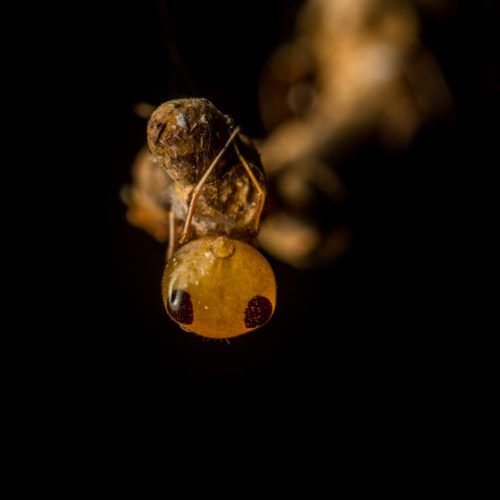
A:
<point x="368" y="331"/>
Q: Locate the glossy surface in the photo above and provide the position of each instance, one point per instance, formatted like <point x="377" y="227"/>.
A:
<point x="218" y="287"/>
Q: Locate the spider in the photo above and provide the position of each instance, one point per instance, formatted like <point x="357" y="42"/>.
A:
<point x="202" y="187"/>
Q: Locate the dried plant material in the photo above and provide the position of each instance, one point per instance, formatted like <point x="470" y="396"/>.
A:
<point x="289" y="239"/>
<point x="361" y="55"/>
<point x="354" y="69"/>
<point x="148" y="198"/>
<point x="184" y="137"/>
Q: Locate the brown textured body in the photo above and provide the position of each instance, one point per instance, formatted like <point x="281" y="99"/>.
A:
<point x="184" y="137"/>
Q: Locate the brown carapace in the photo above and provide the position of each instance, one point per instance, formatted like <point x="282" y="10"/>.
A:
<point x="202" y="187"/>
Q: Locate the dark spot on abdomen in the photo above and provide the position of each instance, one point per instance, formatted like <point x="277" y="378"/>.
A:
<point x="180" y="307"/>
<point x="258" y="311"/>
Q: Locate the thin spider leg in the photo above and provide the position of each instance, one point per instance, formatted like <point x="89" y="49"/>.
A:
<point x="260" y="190"/>
<point x="183" y="237"/>
<point x="172" y="240"/>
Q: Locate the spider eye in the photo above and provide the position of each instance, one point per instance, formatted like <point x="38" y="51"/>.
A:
<point x="218" y="287"/>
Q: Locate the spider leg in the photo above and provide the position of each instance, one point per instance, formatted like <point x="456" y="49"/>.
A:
<point x="184" y="234"/>
<point x="260" y="190"/>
